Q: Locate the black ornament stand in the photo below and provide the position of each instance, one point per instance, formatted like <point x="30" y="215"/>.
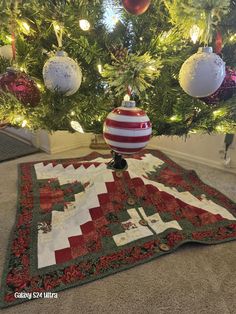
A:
<point x="118" y="162"/>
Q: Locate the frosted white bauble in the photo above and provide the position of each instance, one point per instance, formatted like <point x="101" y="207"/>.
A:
<point x="62" y="74"/>
<point x="6" y="52"/>
<point x="202" y="74"/>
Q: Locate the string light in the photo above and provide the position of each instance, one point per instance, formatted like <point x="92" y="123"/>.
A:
<point x="99" y="68"/>
<point x="24" y="123"/>
<point x="76" y="126"/>
<point x="23" y="69"/>
<point x="220" y="129"/>
<point x="126" y="97"/>
<point x="56" y="27"/>
<point x="233" y="37"/>
<point x="112" y="15"/>
<point x="151" y="68"/>
<point x="219" y="113"/>
<point x="18" y="119"/>
<point x="175" y="118"/>
<point x="26" y="26"/>
<point x="115" y="19"/>
<point x="84" y="25"/>
<point x="9" y="38"/>
<point x="194" y="33"/>
<point x="197" y="109"/>
<point x="39" y="86"/>
<point x="72" y="113"/>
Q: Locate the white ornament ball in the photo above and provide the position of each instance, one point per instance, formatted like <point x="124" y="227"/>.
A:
<point x="62" y="74"/>
<point x="6" y="52"/>
<point x="202" y="74"/>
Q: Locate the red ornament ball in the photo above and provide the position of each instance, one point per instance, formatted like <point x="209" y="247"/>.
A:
<point x="225" y="91"/>
<point x="21" y="86"/>
<point x="136" y="7"/>
<point x="127" y="129"/>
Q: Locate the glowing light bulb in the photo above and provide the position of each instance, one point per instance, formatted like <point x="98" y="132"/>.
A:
<point x="24" y="123"/>
<point x="56" y="27"/>
<point x="84" y="25"/>
<point x="18" y="119"/>
<point x="232" y="38"/>
<point x="72" y="113"/>
<point x="152" y="68"/>
<point x="9" y="38"/>
<point x="115" y="19"/>
<point x="197" y="109"/>
<point x="76" y="126"/>
<point x="174" y="118"/>
<point x="99" y="68"/>
<point x="194" y="33"/>
<point x="219" y="113"/>
<point x="26" y="26"/>
<point x="127" y="97"/>
<point x="23" y="69"/>
<point x="112" y="14"/>
<point x="220" y="129"/>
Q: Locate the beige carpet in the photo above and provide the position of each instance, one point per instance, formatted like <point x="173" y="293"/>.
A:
<point x="11" y="147"/>
<point x="196" y="279"/>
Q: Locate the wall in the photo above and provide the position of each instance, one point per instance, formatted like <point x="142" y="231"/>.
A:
<point x="202" y="148"/>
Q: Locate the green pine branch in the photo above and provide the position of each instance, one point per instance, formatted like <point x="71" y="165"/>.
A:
<point x="136" y="71"/>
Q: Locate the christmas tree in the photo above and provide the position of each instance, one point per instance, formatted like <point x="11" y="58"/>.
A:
<point x="116" y="51"/>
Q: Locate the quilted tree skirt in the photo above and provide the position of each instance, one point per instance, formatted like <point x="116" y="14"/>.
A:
<point x="78" y="221"/>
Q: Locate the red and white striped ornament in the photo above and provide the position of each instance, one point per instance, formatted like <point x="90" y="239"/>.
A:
<point x="127" y="129"/>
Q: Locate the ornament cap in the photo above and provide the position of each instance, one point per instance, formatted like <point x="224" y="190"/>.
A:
<point x="61" y="53"/>
<point x="12" y="70"/>
<point x="205" y="49"/>
<point x="128" y="104"/>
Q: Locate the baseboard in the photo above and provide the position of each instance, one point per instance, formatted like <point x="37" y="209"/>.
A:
<point x="197" y="159"/>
